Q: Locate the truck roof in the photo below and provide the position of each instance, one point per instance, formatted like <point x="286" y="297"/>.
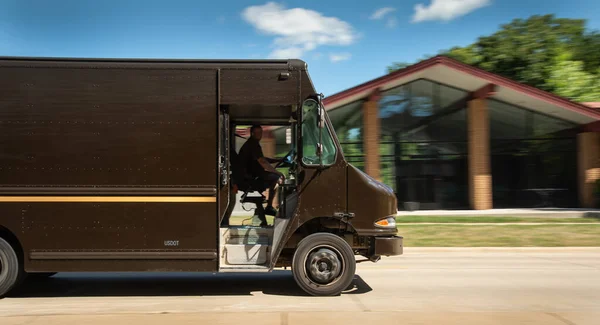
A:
<point x="295" y="63"/>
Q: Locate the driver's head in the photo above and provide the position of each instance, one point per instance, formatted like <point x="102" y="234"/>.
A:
<point x="256" y="132"/>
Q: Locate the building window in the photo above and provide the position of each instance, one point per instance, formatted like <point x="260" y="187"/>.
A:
<point x="347" y="121"/>
<point x="533" y="158"/>
<point x="424" y="144"/>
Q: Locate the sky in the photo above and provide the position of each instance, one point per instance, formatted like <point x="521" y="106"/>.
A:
<point x="344" y="42"/>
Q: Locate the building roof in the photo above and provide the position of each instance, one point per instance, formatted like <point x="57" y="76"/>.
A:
<point x="592" y="104"/>
<point x="457" y="74"/>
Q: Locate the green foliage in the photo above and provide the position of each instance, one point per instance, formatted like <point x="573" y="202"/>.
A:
<point x="401" y="65"/>
<point x="397" y="66"/>
<point x="570" y="79"/>
<point x="553" y="54"/>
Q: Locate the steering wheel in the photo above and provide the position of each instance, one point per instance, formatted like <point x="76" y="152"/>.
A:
<point x="287" y="159"/>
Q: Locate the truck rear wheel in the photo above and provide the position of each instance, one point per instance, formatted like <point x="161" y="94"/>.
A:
<point x="323" y="264"/>
<point x="11" y="271"/>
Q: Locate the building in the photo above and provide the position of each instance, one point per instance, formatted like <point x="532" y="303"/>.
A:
<point x="446" y="135"/>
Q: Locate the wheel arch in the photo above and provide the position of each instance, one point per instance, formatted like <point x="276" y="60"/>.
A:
<point x="13" y="240"/>
<point x="325" y="224"/>
<point x="334" y="225"/>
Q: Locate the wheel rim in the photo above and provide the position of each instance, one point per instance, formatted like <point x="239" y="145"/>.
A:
<point x="324" y="265"/>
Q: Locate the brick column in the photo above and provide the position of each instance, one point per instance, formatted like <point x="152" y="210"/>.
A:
<point x="371" y="130"/>
<point x="480" y="178"/>
<point x="588" y="166"/>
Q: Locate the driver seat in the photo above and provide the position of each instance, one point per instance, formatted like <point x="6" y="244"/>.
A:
<point x="248" y="185"/>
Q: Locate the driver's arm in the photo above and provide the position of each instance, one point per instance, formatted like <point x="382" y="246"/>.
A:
<point x="273" y="160"/>
<point x="264" y="162"/>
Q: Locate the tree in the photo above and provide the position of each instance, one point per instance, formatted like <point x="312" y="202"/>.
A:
<point x="524" y="50"/>
<point x="527" y="50"/>
<point x="401" y="65"/>
<point x="588" y="52"/>
<point x="569" y="79"/>
<point x="397" y="66"/>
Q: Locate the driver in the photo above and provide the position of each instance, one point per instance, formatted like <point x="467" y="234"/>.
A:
<point x="255" y="164"/>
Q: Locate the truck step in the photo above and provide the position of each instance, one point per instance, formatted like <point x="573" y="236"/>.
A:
<point x="249" y="240"/>
<point x="244" y="268"/>
<point x="246" y="235"/>
<point x="244" y="230"/>
<point x="240" y="254"/>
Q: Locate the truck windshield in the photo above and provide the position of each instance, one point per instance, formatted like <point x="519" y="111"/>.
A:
<point x="310" y="137"/>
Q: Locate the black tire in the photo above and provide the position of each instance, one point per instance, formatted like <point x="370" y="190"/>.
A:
<point x="333" y="264"/>
<point x="11" y="271"/>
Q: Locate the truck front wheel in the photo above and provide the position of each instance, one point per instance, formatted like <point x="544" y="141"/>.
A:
<point x="323" y="264"/>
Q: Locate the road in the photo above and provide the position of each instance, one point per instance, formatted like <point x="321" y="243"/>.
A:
<point x="424" y="286"/>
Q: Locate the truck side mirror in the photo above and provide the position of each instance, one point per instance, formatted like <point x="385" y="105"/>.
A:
<point x="319" y="152"/>
<point x="320" y="118"/>
<point x="320" y="113"/>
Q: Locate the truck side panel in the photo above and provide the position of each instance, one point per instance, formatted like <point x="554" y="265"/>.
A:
<point x="108" y="126"/>
<point x="109" y="161"/>
<point x="259" y="86"/>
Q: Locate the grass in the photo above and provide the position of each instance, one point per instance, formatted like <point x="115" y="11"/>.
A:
<point x="555" y="235"/>
<point x="491" y="219"/>
<point x="553" y="232"/>
<point x="238" y="219"/>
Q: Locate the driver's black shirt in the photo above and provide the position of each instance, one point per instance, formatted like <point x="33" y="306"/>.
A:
<point x="249" y="155"/>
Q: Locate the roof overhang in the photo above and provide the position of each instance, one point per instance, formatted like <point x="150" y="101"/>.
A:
<point x="459" y="75"/>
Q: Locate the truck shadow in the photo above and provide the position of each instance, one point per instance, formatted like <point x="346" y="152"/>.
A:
<point x="168" y="284"/>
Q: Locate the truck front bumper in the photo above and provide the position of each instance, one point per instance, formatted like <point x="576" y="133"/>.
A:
<point x="388" y="246"/>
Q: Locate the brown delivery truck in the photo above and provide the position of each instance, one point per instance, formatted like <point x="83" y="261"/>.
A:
<point x="130" y="165"/>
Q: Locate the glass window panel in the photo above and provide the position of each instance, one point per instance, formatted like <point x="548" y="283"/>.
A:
<point x="444" y="127"/>
<point x="544" y="125"/>
<point x="347" y="123"/>
<point x="507" y="121"/>
<point x="422" y="99"/>
<point x="310" y="137"/>
<point x="428" y="161"/>
<point x="394" y="102"/>
<point x="525" y="167"/>
<point x="448" y="96"/>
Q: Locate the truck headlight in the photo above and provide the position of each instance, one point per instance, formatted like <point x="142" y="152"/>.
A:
<point x="388" y="222"/>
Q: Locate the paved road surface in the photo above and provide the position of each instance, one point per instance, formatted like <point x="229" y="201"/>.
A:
<point x="425" y="286"/>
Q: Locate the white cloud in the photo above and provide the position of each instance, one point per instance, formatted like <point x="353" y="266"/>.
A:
<point x="392" y="22"/>
<point x="381" y="12"/>
<point x="298" y="30"/>
<point x="337" y="57"/>
<point x="287" y="53"/>
<point x="446" y="10"/>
